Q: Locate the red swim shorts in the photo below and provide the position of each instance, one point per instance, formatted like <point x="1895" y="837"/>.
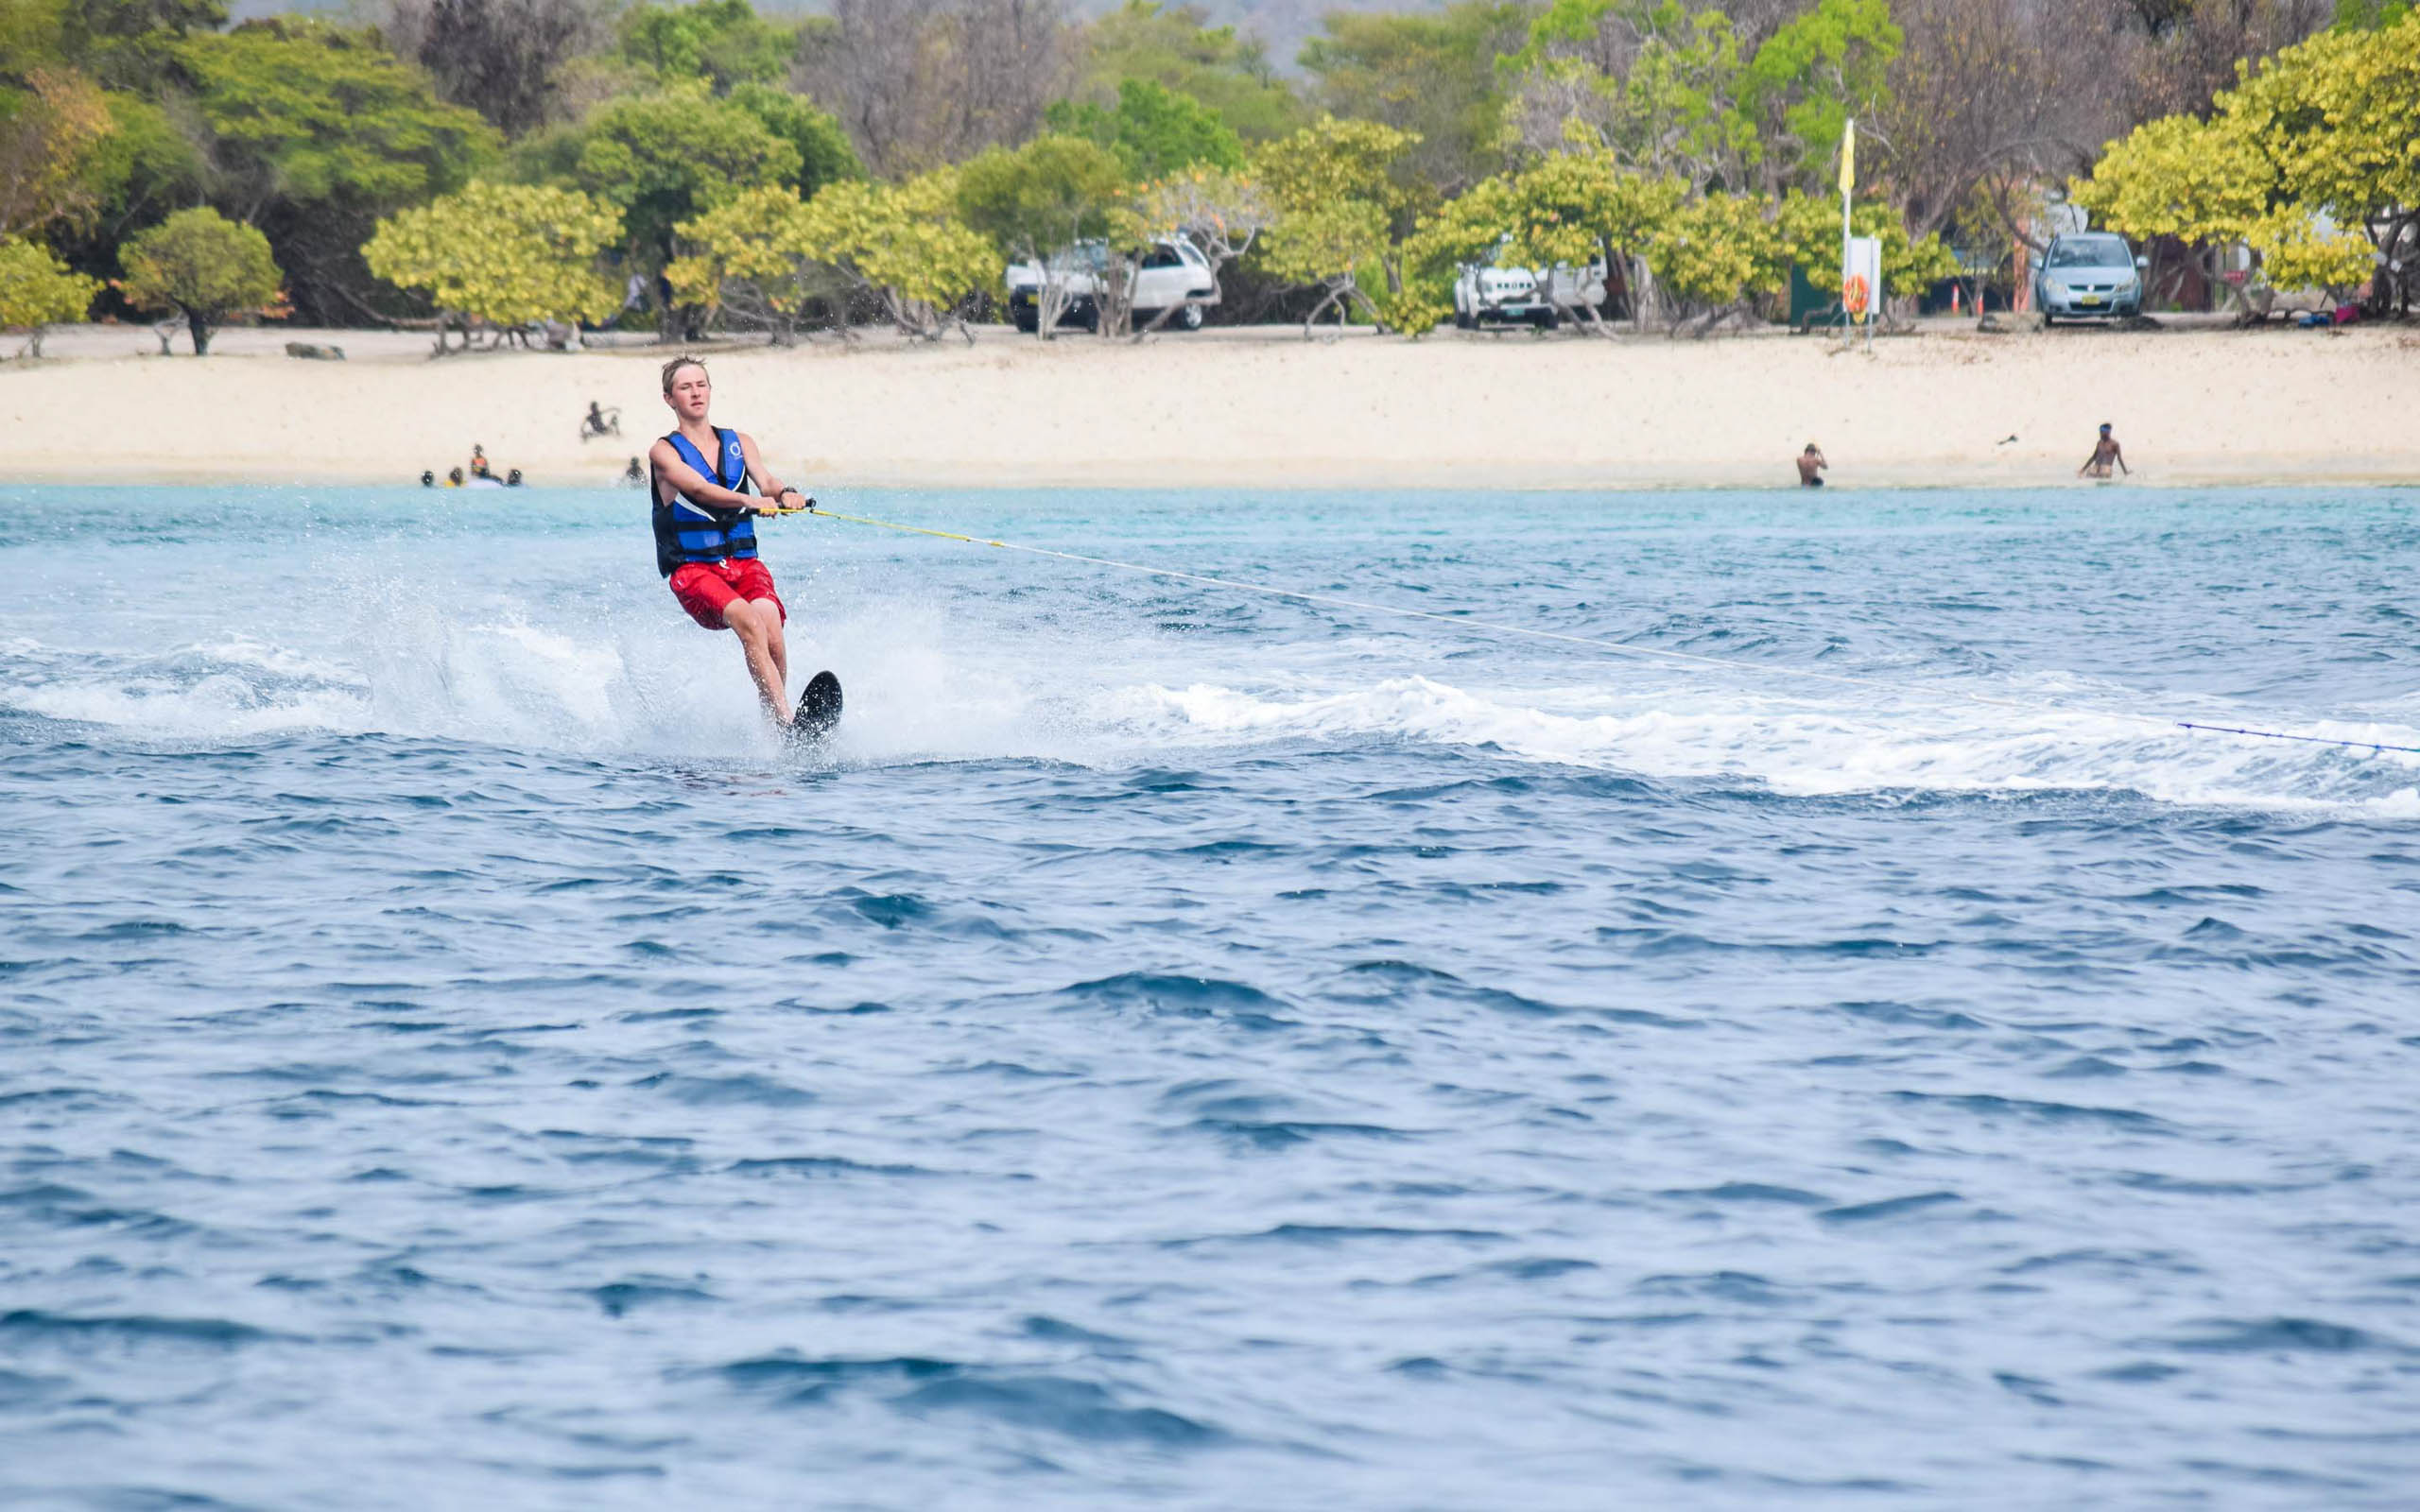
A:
<point x="704" y="588"/>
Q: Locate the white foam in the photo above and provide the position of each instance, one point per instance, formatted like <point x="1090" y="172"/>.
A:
<point x="926" y="682"/>
<point x="1685" y="731"/>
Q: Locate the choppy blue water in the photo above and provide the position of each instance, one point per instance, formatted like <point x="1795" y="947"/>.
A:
<point x="1188" y="1050"/>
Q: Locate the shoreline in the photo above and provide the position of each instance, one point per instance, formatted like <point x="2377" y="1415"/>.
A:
<point x="1259" y="408"/>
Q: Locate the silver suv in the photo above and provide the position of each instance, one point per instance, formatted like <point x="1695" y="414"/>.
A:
<point x="2089" y="276"/>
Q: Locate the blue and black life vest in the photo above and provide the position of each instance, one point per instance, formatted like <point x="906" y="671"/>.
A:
<point x="687" y="531"/>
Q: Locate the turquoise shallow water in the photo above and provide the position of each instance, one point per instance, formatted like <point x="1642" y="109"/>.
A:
<point x="1198" y="1050"/>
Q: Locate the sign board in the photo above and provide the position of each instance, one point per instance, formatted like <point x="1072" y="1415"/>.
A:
<point x="1861" y="278"/>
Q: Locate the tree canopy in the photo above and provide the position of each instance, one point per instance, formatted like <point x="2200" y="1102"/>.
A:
<point x="508" y="254"/>
<point x="202" y="266"/>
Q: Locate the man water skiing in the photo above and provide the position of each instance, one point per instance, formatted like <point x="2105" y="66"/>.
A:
<point x="705" y="540"/>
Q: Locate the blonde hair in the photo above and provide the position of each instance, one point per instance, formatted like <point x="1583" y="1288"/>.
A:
<point x="679" y="363"/>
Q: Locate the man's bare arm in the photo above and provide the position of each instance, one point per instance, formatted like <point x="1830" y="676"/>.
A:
<point x="767" y="485"/>
<point x="695" y="485"/>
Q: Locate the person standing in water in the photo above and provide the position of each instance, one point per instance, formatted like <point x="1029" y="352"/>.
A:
<point x="705" y="534"/>
<point x="1810" y="462"/>
<point x="2104" y="452"/>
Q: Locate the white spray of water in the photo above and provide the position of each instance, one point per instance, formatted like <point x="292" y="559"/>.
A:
<point x="926" y="683"/>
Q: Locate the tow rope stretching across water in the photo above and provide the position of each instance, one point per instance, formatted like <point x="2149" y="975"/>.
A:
<point x="1619" y="648"/>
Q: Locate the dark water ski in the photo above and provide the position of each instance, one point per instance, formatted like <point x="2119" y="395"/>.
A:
<point x="819" y="709"/>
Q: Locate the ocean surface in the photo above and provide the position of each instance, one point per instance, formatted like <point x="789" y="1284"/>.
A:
<point x="1182" y="1048"/>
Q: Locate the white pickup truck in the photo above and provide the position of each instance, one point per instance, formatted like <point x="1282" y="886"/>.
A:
<point x="1170" y="274"/>
<point x="1487" y="295"/>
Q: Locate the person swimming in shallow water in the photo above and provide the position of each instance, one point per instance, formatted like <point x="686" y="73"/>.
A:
<point x="1810" y="462"/>
<point x="2104" y="452"/>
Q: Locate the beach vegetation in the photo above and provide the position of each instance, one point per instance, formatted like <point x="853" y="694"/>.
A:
<point x="659" y="159"/>
<point x="508" y="256"/>
<point x="1346" y="200"/>
<point x="722" y="44"/>
<point x="1231" y="73"/>
<point x="905" y="245"/>
<point x="53" y="129"/>
<point x="922" y="84"/>
<point x="1433" y="77"/>
<point x="2312" y="162"/>
<point x="313" y="132"/>
<point x="37" y="291"/>
<point x="202" y="266"/>
<point x="1033" y="201"/>
<point x="518" y="62"/>
<point x="1154" y="131"/>
<point x="1656" y="135"/>
<point x="1222" y="214"/>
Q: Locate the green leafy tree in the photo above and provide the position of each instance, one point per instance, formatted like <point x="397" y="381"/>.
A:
<point x="723" y="42"/>
<point x="906" y="245"/>
<point x="1346" y="200"/>
<point x="1038" y="200"/>
<point x="51" y="131"/>
<point x="37" y="290"/>
<point x="314" y="132"/>
<point x="748" y="255"/>
<point x="1809" y="233"/>
<point x="1809" y="78"/>
<point x="1433" y="77"/>
<point x="1571" y="210"/>
<point x="824" y="155"/>
<point x="661" y="160"/>
<point x="506" y="254"/>
<point x="1153" y="129"/>
<point x="1169" y="45"/>
<point x="1714" y="254"/>
<point x="202" y="266"/>
<point x="2314" y="162"/>
<point x="1657" y="83"/>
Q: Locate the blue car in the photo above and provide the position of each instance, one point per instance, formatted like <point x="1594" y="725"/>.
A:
<point x="2089" y="276"/>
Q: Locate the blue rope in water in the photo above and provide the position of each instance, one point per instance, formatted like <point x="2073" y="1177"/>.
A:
<point x="1654" y="653"/>
<point x="2308" y="740"/>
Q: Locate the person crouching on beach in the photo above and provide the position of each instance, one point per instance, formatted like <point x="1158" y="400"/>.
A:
<point x="1810" y="462"/>
<point x="705" y="537"/>
<point x="2104" y="452"/>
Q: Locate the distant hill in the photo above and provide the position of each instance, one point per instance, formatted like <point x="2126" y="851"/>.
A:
<point x="1282" y="24"/>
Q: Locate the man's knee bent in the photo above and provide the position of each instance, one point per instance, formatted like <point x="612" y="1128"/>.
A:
<point x="753" y="623"/>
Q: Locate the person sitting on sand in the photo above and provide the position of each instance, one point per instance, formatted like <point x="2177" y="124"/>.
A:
<point x="454" y="479"/>
<point x="595" y="422"/>
<point x="1810" y="462"/>
<point x="478" y="460"/>
<point x="2104" y="452"/>
<point x="633" y="476"/>
<point x="427" y="478"/>
<point x="705" y="541"/>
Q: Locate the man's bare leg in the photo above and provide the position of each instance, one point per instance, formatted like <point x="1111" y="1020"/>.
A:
<point x="759" y="628"/>
<point x="772" y="616"/>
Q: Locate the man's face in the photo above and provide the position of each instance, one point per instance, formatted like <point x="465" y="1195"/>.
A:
<point x="692" y="391"/>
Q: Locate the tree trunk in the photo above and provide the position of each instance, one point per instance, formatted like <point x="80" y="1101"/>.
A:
<point x="200" y="329"/>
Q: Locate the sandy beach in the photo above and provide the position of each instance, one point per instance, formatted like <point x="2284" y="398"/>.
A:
<point x="1254" y="407"/>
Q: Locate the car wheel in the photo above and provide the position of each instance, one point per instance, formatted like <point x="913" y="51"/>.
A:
<point x="1190" y="317"/>
<point x="1027" y="319"/>
<point x="1462" y="321"/>
<point x="1547" y="319"/>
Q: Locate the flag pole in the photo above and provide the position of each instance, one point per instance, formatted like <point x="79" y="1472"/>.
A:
<point x="1848" y="182"/>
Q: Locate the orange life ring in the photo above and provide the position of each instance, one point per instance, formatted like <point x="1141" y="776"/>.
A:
<point x="1853" y="294"/>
